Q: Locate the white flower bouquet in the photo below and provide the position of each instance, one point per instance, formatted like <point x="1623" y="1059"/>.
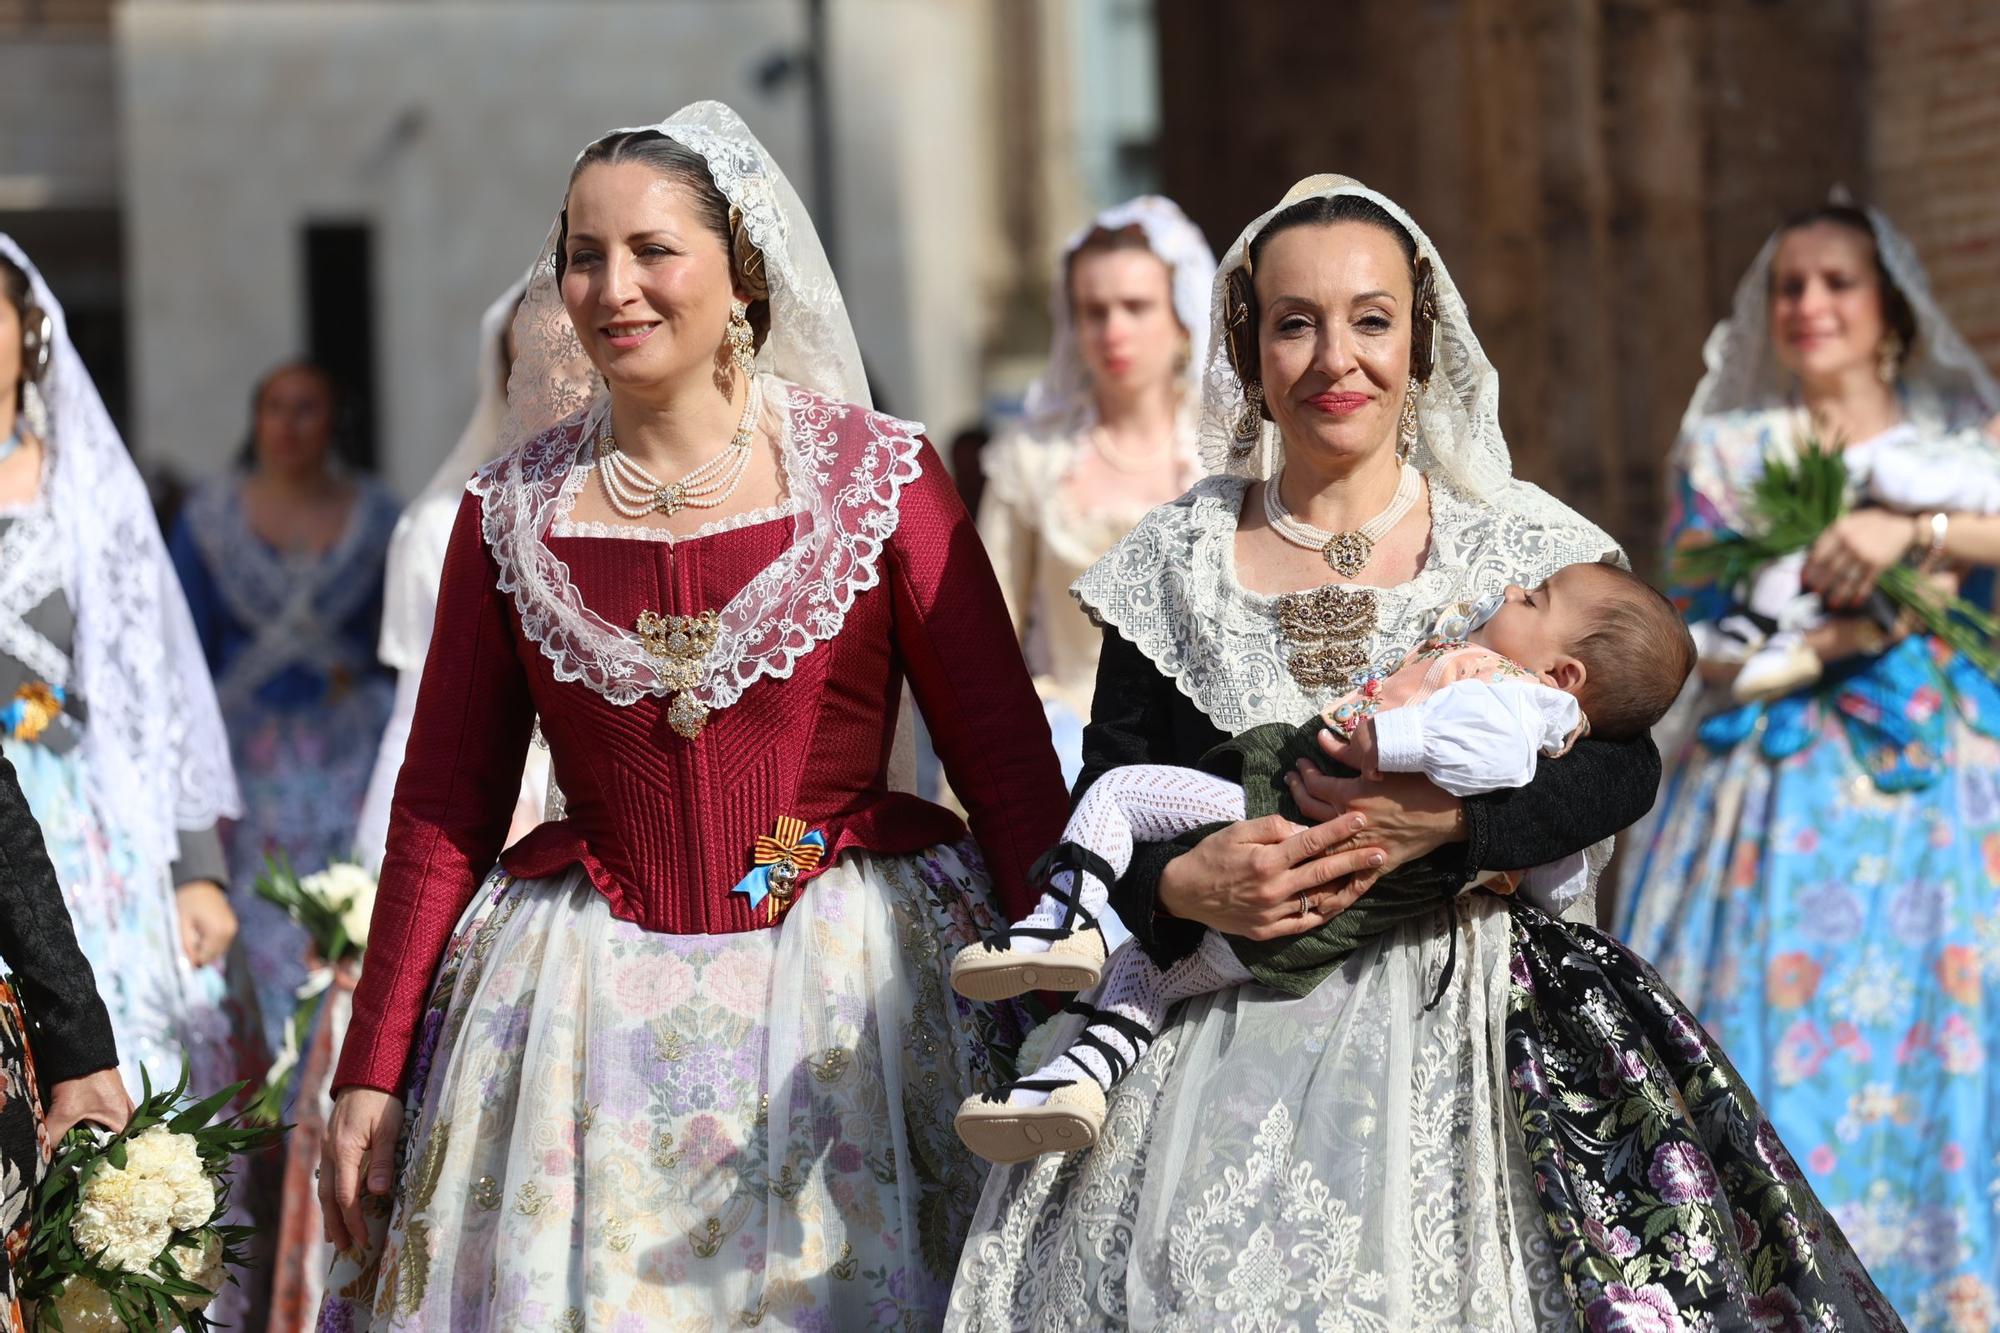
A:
<point x="333" y="906"/>
<point x="126" y="1231"/>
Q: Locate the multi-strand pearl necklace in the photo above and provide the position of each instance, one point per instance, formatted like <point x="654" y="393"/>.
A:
<point x="1346" y="553"/>
<point x="634" y="492"/>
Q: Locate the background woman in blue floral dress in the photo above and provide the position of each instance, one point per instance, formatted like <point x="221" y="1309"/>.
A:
<point x="1820" y="878"/>
<point x="282" y="564"/>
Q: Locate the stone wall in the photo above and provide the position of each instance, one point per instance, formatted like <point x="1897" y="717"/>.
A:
<point x="1935" y="145"/>
<point x="1595" y="174"/>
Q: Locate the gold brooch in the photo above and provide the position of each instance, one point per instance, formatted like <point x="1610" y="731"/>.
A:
<point x="1325" y="629"/>
<point x="681" y="645"/>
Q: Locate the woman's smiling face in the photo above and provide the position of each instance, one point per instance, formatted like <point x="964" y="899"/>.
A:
<point x="646" y="282"/>
<point x="1826" y="302"/>
<point x="1333" y="335"/>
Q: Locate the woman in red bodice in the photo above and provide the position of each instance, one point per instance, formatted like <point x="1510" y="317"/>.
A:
<point x="685" y="1056"/>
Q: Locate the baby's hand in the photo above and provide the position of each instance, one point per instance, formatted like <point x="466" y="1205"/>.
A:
<point x="1358" y="751"/>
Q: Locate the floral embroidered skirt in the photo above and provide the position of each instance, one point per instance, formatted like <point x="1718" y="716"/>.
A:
<point x="163" y="1010"/>
<point x="304" y="773"/>
<point x="1554" y="1145"/>
<point x="615" y="1129"/>
<point x="21" y="1156"/>
<point x="1842" y="943"/>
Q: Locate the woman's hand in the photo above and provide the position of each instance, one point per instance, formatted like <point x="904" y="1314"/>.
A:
<point x="99" y="1098"/>
<point x="1251" y="880"/>
<point x="208" y="923"/>
<point x="360" y="1138"/>
<point x="1851" y="556"/>
<point x="1407" y="816"/>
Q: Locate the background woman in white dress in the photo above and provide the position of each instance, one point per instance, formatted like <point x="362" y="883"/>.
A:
<point x="1107" y="434"/>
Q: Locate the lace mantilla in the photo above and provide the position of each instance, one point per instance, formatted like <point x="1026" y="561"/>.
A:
<point x="1170" y="588"/>
<point x="1060" y="400"/>
<point x="31" y="571"/>
<point x="1743" y="369"/>
<point x="846" y="468"/>
<point x="155" y="748"/>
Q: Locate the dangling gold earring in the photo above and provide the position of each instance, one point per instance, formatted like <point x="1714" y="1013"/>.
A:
<point x="1889" y="358"/>
<point x="1406" y="427"/>
<point x="742" y="342"/>
<point x="1249" y="425"/>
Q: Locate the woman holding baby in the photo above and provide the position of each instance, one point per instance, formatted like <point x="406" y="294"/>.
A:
<point x="1819" y="882"/>
<point x="1483" y="1116"/>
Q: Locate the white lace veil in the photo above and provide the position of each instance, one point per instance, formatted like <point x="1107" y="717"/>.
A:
<point x="1939" y="370"/>
<point x="409" y="597"/>
<point x="157" y="753"/>
<point x="1458" y="411"/>
<point x="810" y="343"/>
<point x="1060" y="402"/>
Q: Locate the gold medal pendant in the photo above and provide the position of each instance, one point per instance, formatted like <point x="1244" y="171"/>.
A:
<point x="681" y="645"/>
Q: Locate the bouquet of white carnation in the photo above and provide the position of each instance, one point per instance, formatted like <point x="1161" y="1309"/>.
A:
<point x="333" y="906"/>
<point x="126" y="1233"/>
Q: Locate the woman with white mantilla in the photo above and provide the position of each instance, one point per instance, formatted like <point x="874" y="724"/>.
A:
<point x="1108" y="433"/>
<point x="1490" y="1118"/>
<point x="688" y="1059"/>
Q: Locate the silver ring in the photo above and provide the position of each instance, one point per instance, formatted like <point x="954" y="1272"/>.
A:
<point x="1305" y="905"/>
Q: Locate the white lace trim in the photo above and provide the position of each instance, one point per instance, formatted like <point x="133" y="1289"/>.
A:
<point x="293" y="605"/>
<point x="31" y="571"/>
<point x="845" y="492"/>
<point x="567" y="525"/>
<point x="1170" y="588"/>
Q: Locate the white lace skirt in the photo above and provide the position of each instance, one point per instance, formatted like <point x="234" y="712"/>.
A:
<point x="625" y="1130"/>
<point x="1343" y="1160"/>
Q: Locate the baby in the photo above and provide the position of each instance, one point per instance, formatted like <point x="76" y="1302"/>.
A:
<point x="1897" y="470"/>
<point x="1593" y="649"/>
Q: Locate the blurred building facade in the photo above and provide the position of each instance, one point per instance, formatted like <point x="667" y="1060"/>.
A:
<point x="215" y="184"/>
<point x="357" y="178"/>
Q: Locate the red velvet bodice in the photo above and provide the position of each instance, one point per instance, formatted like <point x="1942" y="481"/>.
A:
<point x="665" y="826"/>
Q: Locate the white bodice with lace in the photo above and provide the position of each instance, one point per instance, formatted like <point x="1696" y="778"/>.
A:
<point x="1171" y="589"/>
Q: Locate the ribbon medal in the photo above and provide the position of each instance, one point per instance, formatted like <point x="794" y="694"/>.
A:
<point x="781" y="856"/>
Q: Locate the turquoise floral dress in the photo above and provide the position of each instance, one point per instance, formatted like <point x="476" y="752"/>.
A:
<point x="1819" y="884"/>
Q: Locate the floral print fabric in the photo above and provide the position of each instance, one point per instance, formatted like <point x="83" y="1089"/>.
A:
<point x="620" y="1130"/>
<point x="1672" y="1201"/>
<point x="21" y="1155"/>
<point x="1820" y="885"/>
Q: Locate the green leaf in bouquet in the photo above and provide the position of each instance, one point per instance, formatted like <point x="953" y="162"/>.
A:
<point x="197" y="1116"/>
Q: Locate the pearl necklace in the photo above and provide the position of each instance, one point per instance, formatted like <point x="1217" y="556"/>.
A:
<point x="634" y="492"/>
<point x="1346" y="553"/>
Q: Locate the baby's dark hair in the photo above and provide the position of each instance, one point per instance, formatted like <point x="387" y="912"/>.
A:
<point x="1636" y="656"/>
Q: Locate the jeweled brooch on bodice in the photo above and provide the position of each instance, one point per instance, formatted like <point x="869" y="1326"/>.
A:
<point x="1325" y="629"/>
<point x="681" y="645"/>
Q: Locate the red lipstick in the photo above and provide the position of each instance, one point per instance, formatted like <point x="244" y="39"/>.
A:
<point x="1339" y="404"/>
